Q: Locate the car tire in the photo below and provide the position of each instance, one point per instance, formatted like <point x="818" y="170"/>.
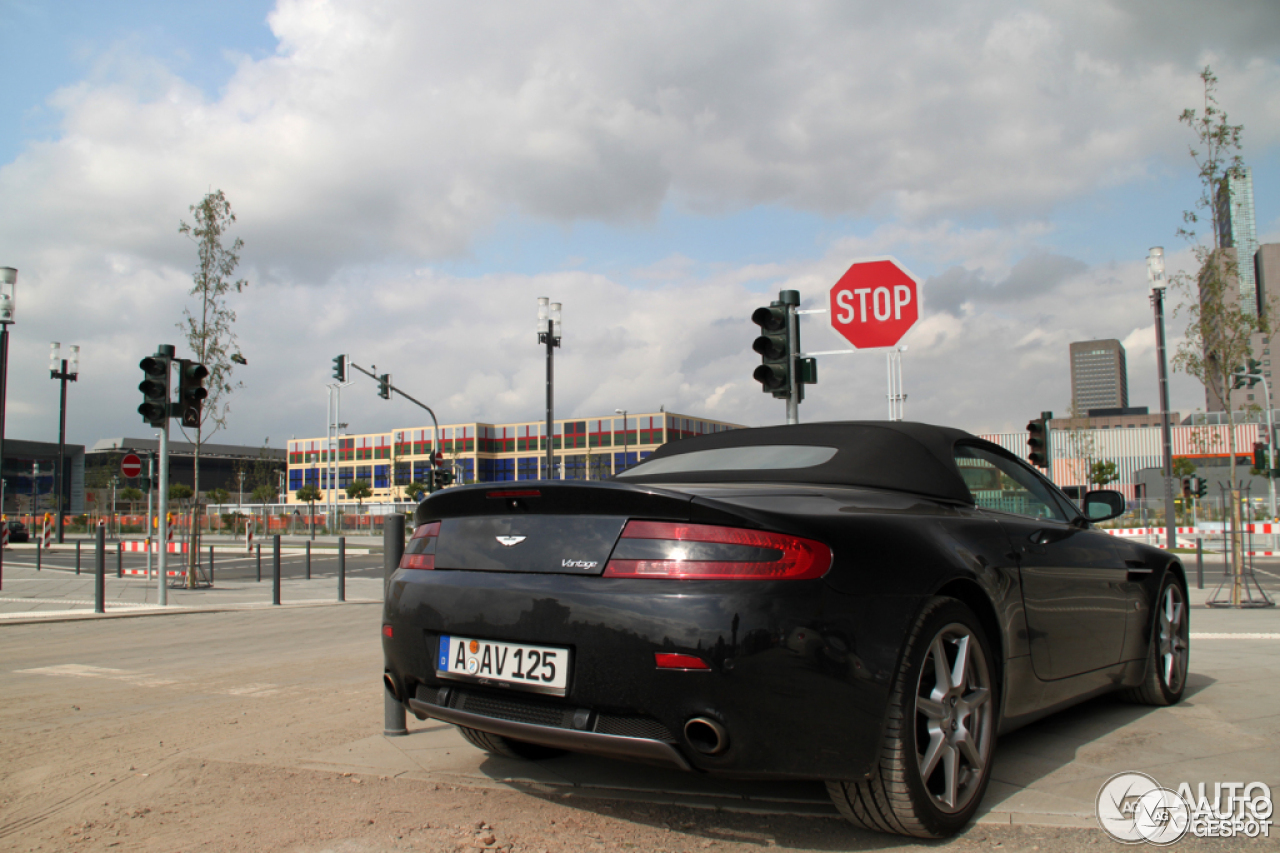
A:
<point x="940" y="735"/>
<point x="1169" y="654"/>
<point x="508" y="747"/>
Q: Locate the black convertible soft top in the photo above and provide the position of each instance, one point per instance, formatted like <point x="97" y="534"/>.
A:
<point x="898" y="455"/>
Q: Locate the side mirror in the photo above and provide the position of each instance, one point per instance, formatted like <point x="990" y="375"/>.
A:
<point x="1103" y="504"/>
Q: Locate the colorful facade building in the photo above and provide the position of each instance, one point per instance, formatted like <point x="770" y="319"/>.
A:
<point x="583" y="449"/>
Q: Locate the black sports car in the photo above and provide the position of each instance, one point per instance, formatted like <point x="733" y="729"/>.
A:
<point x="866" y="603"/>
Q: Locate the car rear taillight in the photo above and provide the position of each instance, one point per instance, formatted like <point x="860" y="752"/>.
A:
<point x="664" y="549"/>
<point x="669" y="660"/>
<point x="420" y="553"/>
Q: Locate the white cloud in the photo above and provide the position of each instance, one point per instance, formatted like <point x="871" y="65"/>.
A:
<point x="383" y="137"/>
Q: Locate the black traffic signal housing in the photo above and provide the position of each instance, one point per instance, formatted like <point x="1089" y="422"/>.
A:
<point x="1247" y="375"/>
<point x="340" y="368"/>
<point x="1260" y="456"/>
<point x="774" y="372"/>
<point x="441" y="477"/>
<point x="155" y="390"/>
<point x="1186" y="488"/>
<point x="191" y="391"/>
<point x="1038" y="440"/>
<point x="384" y="386"/>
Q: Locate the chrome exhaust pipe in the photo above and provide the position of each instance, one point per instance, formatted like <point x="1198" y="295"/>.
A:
<point x="392" y="687"/>
<point x="706" y="735"/>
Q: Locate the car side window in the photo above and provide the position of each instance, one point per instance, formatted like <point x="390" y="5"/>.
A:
<point x="1005" y="486"/>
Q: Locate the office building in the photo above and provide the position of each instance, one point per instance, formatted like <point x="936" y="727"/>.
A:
<point x="1233" y="209"/>
<point x="1099" y="377"/>
<point x="582" y="448"/>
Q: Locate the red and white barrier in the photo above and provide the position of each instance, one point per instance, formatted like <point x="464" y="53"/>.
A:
<point x="4" y="537"/>
<point x="249" y="549"/>
<point x="1257" y="529"/>
<point x="174" y="548"/>
<point x="46" y="532"/>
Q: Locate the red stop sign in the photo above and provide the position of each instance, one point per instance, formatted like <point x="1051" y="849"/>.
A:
<point x="131" y="465"/>
<point x="875" y="303"/>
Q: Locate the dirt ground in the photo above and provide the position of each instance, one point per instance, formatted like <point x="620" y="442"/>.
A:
<point x="185" y="734"/>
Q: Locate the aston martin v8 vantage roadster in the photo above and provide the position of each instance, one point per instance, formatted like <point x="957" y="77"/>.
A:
<point x="865" y="603"/>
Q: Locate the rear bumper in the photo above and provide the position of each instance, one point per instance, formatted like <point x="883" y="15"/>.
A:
<point x="799" y="674"/>
<point x="648" y="750"/>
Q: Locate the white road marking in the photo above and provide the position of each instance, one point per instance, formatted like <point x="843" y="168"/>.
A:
<point x="78" y="670"/>
<point x="143" y="679"/>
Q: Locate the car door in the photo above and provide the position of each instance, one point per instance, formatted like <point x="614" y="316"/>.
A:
<point x="1073" y="580"/>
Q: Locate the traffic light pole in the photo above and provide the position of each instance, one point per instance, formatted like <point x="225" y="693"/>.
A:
<point x="162" y="514"/>
<point x="435" y="441"/>
<point x="791" y="298"/>
<point x="1271" y="447"/>
<point x="166" y="352"/>
<point x="151" y="495"/>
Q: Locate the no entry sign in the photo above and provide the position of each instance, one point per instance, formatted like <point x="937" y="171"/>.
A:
<point x="130" y="465"/>
<point x="875" y="303"/>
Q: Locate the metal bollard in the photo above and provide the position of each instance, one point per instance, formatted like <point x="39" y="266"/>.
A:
<point x="342" y="568"/>
<point x="1199" y="563"/>
<point x="119" y="559"/>
<point x="77" y="556"/>
<point x="210" y="565"/>
<point x="100" y="573"/>
<point x="393" y="718"/>
<point x="308" y="559"/>
<point x="38" y="550"/>
<point x="259" y="562"/>
<point x="275" y="569"/>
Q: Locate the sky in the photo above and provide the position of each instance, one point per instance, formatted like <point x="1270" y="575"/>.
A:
<point x="410" y="176"/>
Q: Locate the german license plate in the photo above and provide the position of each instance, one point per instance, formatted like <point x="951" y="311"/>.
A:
<point x="540" y="668"/>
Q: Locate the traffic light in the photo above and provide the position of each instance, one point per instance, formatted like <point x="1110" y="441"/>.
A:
<point x="384" y="386"/>
<point x="1186" y="487"/>
<point x="155" y="390"/>
<point x="1038" y="440"/>
<point x="1199" y="487"/>
<point x="441" y="477"/>
<point x="1260" y="456"/>
<point x="1247" y="375"/>
<point x="774" y="372"/>
<point x="191" y="391"/>
<point x="340" y="368"/>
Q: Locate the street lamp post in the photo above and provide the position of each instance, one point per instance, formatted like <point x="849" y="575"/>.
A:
<point x="64" y="370"/>
<point x="8" y="290"/>
<point x="549" y="333"/>
<point x="625" y="437"/>
<point x="1155" y="275"/>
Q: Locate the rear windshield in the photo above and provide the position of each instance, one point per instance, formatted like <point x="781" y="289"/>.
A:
<point x="761" y="457"/>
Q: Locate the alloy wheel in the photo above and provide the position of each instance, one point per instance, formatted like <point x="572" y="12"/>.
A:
<point x="954" y="718"/>
<point x="1173" y="648"/>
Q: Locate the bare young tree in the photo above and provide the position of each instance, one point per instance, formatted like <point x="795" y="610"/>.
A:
<point x="208" y="328"/>
<point x="1221" y="324"/>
